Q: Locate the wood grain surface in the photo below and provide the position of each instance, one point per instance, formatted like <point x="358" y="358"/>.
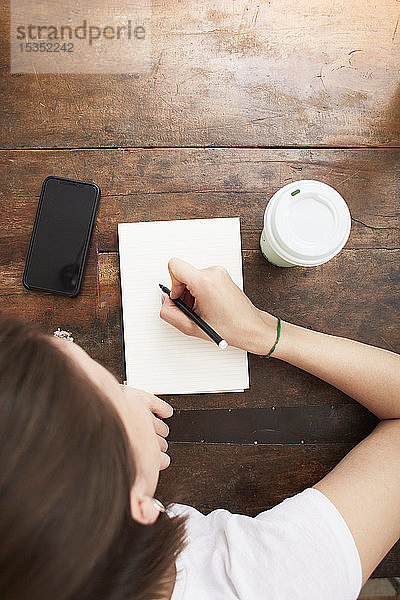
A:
<point x="354" y="295"/>
<point x="145" y="185"/>
<point x="241" y="73"/>
<point x="240" y="99"/>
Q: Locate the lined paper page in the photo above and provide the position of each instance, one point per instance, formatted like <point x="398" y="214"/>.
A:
<point x="158" y="357"/>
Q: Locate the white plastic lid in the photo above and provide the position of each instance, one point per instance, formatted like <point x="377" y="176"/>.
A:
<point x="308" y="221"/>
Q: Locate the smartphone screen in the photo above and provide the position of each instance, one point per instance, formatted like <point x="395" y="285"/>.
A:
<point x="61" y="235"/>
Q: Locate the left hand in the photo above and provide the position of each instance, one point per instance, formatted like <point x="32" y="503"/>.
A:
<point x="159" y="407"/>
<point x="164" y="410"/>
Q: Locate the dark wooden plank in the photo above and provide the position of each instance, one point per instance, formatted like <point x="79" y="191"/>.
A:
<point x="143" y="185"/>
<point x="243" y="73"/>
<point x="248" y="479"/>
<point x="273" y="425"/>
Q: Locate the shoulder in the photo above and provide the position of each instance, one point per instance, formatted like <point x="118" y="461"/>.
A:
<point x="304" y="538"/>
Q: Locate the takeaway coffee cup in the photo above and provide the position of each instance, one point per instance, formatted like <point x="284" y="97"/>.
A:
<point x="306" y="223"/>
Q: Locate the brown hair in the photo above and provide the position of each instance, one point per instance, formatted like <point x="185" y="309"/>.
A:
<point x="66" y="470"/>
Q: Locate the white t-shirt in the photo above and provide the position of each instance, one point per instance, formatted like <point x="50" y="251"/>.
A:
<point x="301" y="549"/>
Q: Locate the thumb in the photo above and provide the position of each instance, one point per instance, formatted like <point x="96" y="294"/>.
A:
<point x="182" y="274"/>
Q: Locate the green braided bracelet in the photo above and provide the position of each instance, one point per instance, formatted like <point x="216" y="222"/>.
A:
<point x="276" y="341"/>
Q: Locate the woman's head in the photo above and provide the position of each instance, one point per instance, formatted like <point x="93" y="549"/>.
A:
<point x="79" y="463"/>
<point x="132" y="408"/>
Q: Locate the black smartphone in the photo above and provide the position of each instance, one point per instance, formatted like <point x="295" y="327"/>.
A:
<point x="61" y="235"/>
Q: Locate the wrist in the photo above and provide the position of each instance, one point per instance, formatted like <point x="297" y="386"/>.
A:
<point x="269" y="336"/>
<point x="266" y="335"/>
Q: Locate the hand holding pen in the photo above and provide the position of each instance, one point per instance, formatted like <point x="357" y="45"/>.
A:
<point x="220" y="303"/>
<point x="213" y="335"/>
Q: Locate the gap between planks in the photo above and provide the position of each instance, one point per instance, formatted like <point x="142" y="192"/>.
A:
<point x="198" y="147"/>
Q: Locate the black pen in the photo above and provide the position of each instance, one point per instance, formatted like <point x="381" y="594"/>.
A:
<point x="198" y="320"/>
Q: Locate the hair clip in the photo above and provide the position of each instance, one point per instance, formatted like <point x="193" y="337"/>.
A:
<point x="66" y="335"/>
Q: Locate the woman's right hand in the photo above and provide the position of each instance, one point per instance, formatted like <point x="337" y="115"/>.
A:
<point x="213" y="295"/>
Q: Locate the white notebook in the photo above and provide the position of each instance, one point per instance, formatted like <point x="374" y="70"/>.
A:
<point x="158" y="357"/>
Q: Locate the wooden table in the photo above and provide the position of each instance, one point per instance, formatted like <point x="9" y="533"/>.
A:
<point x="242" y="97"/>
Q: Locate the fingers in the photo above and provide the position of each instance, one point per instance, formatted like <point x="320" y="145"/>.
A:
<point x="164" y="410"/>
<point x="188" y="299"/>
<point x="174" y="316"/>
<point x="156" y="405"/>
<point x="160" y="427"/>
<point x="162" y="443"/>
<point x="162" y="430"/>
<point x="165" y="461"/>
<point x="160" y="407"/>
<point x="182" y="274"/>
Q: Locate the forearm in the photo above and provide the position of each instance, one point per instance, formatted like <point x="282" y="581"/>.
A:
<point x="369" y="375"/>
